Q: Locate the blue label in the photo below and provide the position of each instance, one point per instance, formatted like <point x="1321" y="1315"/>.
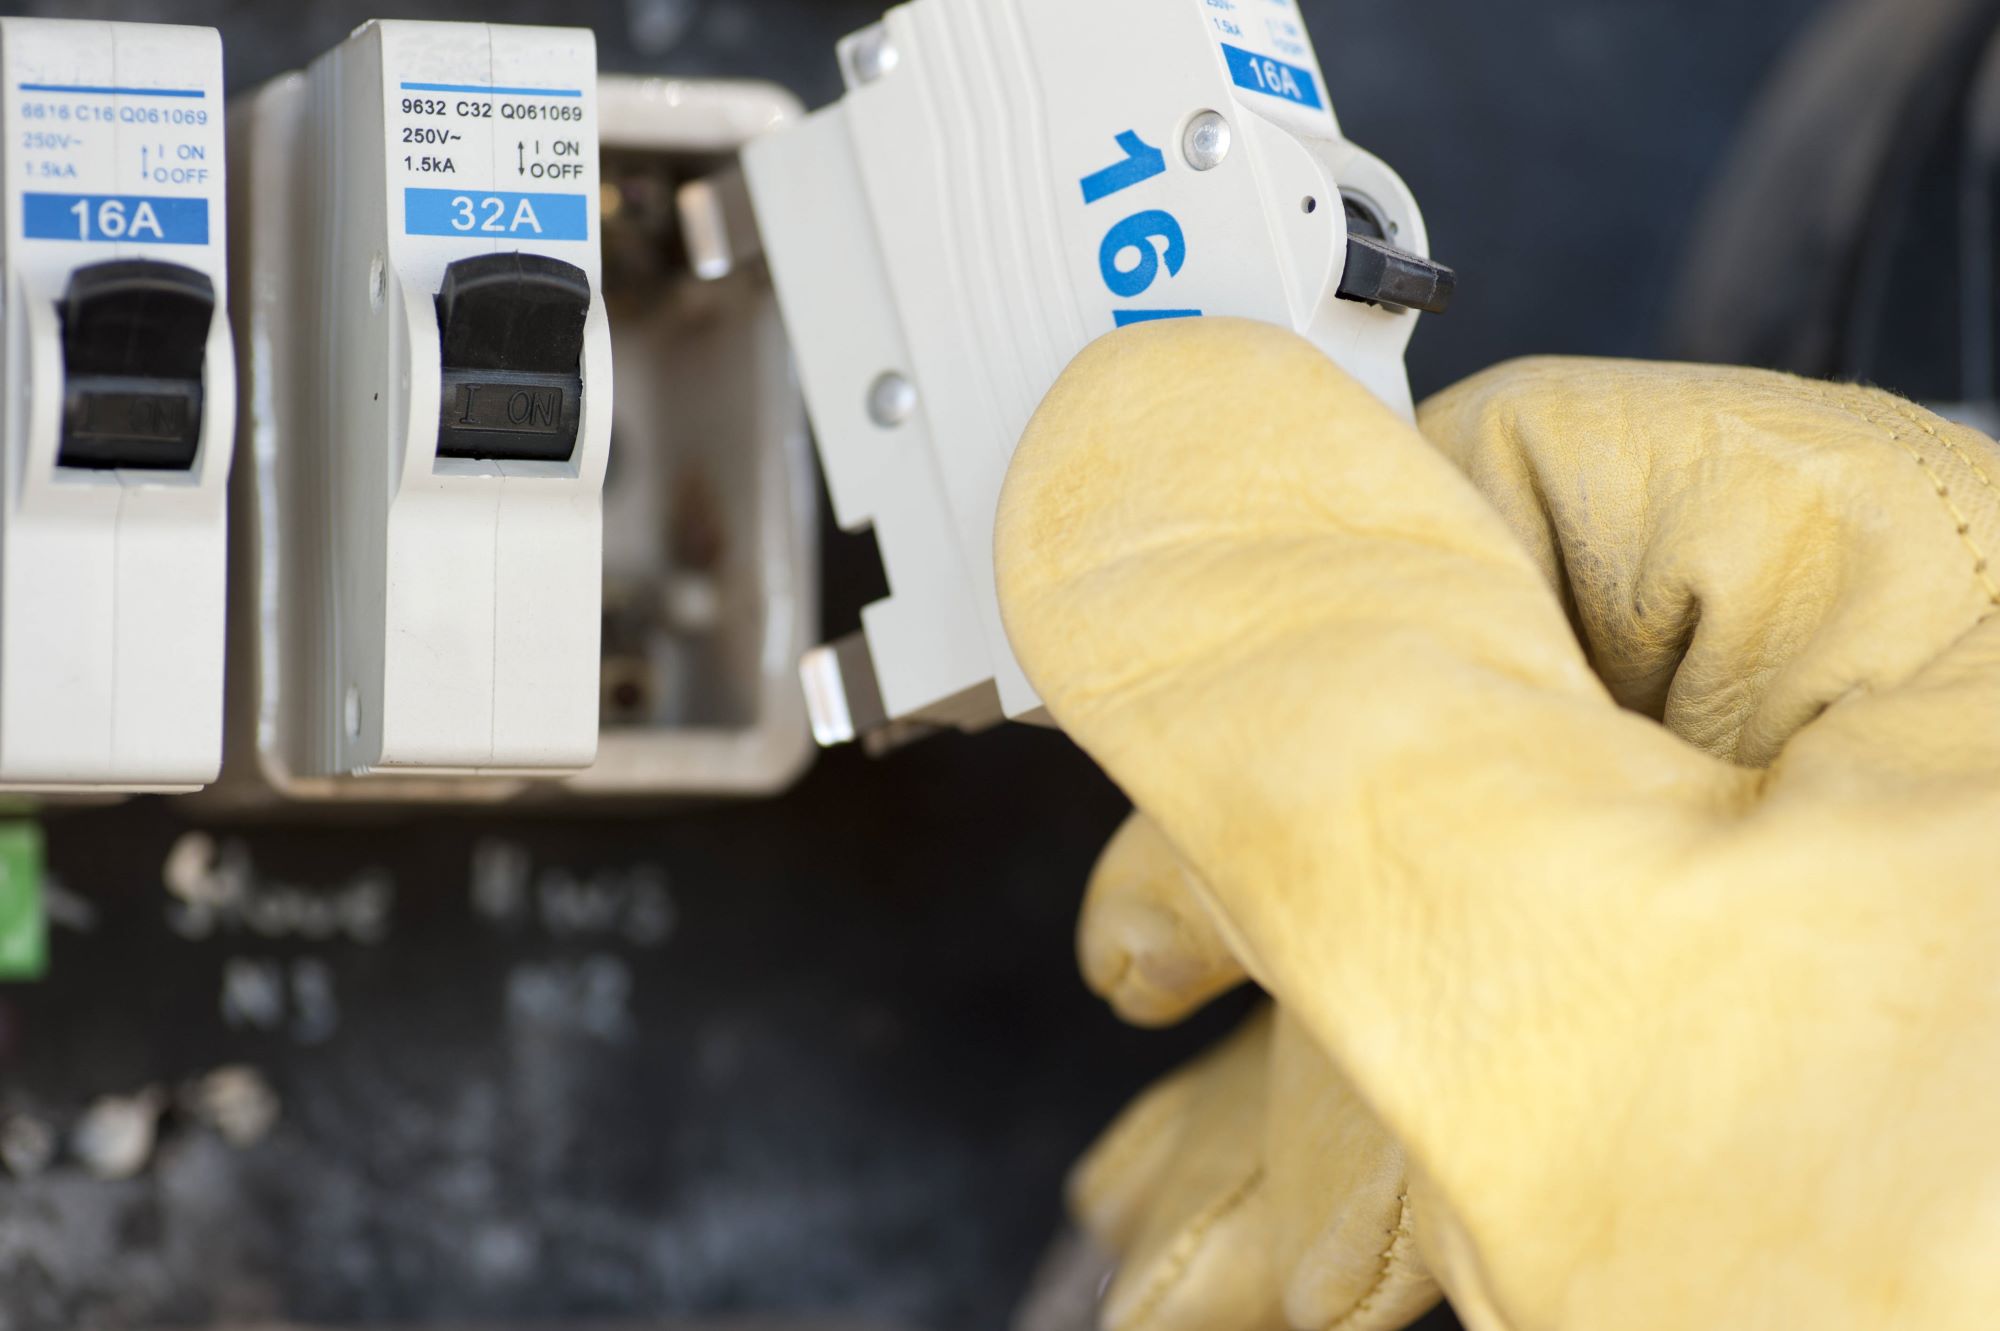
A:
<point x="1260" y="73"/>
<point x="1126" y="318"/>
<point x="485" y="90"/>
<point x="114" y="217"/>
<point x="451" y="212"/>
<point x="111" y="90"/>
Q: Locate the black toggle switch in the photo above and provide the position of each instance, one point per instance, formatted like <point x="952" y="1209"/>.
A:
<point x="511" y="328"/>
<point x="1380" y="274"/>
<point x="134" y="339"/>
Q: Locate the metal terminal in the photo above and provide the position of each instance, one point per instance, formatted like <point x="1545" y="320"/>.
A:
<point x="718" y="224"/>
<point x="892" y="400"/>
<point x="1206" y="141"/>
<point x="869" y="55"/>
<point x="1380" y="274"/>
<point x="643" y="252"/>
<point x="843" y="697"/>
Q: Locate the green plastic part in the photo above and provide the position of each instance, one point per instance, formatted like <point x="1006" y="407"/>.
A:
<point x="24" y="926"/>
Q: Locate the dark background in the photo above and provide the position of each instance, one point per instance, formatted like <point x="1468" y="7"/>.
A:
<point x="849" y="1080"/>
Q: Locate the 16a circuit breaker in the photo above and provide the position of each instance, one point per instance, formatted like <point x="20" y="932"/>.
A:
<point x="1004" y="182"/>
<point x="119" y="404"/>
<point x="428" y="406"/>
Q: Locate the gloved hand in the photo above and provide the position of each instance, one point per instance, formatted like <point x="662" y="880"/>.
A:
<point x="1607" y="791"/>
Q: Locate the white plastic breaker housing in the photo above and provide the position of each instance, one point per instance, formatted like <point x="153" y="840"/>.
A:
<point x="423" y="562"/>
<point x="1004" y="182"/>
<point x="113" y="487"/>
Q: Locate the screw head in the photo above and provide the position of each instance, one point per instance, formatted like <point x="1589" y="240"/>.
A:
<point x="892" y="400"/>
<point x="1206" y="141"/>
<point x="872" y="55"/>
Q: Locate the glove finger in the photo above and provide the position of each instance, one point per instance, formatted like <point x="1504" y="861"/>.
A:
<point x="1122" y="1180"/>
<point x="1254" y="1189"/>
<point x="1738" y="550"/>
<point x="1146" y="941"/>
<point x="1176" y="1190"/>
<point x="1338" y="1195"/>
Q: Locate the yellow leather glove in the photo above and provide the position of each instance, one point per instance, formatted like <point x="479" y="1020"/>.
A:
<point x="1604" y="783"/>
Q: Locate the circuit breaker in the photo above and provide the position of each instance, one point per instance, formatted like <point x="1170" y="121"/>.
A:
<point x="1004" y="182"/>
<point x="428" y="405"/>
<point x="119" y="406"/>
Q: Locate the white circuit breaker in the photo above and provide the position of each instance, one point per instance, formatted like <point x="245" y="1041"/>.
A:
<point x="427" y="405"/>
<point x="1004" y="182"/>
<point x="119" y="404"/>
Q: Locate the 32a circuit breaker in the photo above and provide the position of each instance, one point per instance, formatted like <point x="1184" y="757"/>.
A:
<point x="428" y="404"/>
<point x="1004" y="182"/>
<point x="118" y="397"/>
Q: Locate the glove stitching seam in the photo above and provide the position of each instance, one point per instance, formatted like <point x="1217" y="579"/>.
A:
<point x="1401" y="1232"/>
<point x="1981" y="568"/>
<point x="1908" y="413"/>
<point x="1966" y="459"/>
<point x="1188" y="1246"/>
